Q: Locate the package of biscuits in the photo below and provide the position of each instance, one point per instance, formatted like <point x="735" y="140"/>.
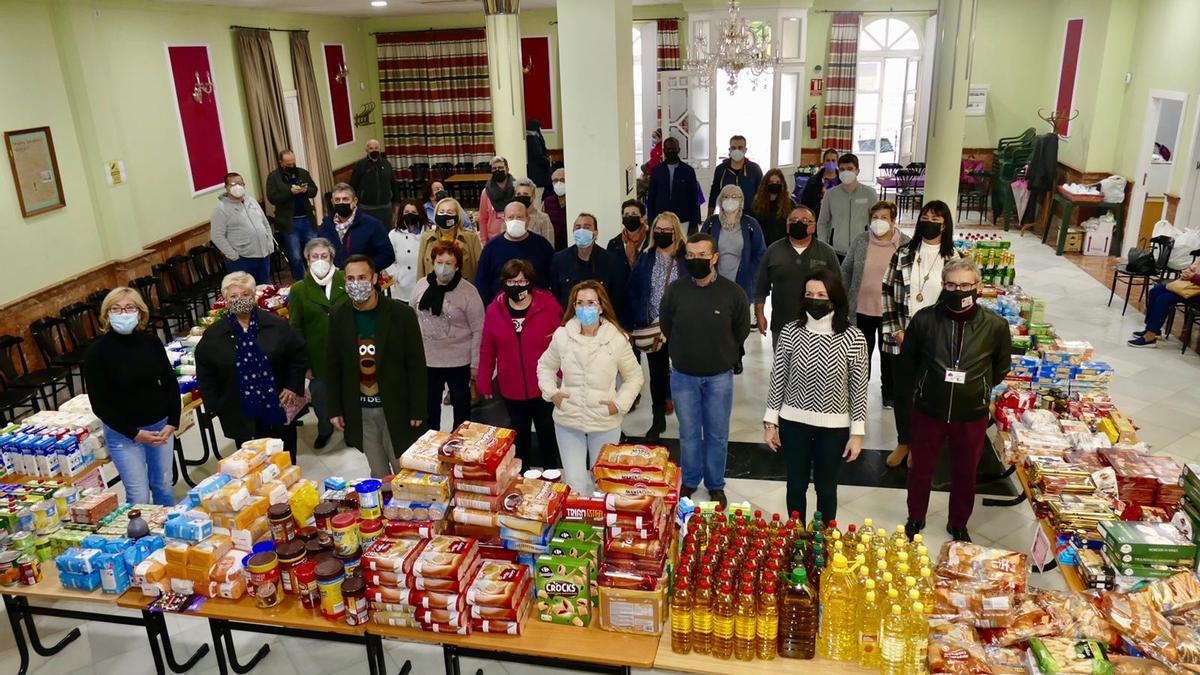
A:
<point x="447" y="557"/>
<point x="477" y="444"/>
<point x="492" y="484"/>
<point x="632" y="487"/>
<point x="534" y="499"/>
<point x="424" y="453"/>
<point x="393" y="555"/>
<point x="420" y="486"/>
<point x="498" y="584"/>
<point x="970" y="562"/>
<point x="633" y="464"/>
<point x="405" y="510"/>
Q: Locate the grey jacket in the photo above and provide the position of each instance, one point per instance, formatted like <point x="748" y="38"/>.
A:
<point x="844" y="215"/>
<point x="856" y="261"/>
<point x="240" y="229"/>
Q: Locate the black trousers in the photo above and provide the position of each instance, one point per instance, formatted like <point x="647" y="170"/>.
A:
<point x="539" y="414"/>
<point x="660" y="378"/>
<point x="459" y="382"/>
<point x="903" y="400"/>
<point x="284" y="432"/>
<point x="816" y="452"/>
<point x="872" y="328"/>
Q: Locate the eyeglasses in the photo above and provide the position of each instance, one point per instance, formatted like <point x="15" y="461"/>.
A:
<point x="958" y="287"/>
<point x="123" y="309"/>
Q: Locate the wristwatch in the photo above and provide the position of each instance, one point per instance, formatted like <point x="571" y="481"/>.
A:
<point x="769" y="425"/>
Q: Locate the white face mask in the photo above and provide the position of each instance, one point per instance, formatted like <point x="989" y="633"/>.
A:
<point x="880" y="227"/>
<point x="515" y="228"/>
<point x="730" y="205"/>
<point x="237" y="191"/>
<point x="737" y="155"/>
<point x="320" y="268"/>
<point x="560" y="188"/>
<point x="847" y="177"/>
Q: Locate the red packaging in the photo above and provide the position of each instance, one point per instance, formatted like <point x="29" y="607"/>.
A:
<point x="498" y="584"/>
<point x="627" y="521"/>
<point x="534" y="499"/>
<point x="491" y="468"/>
<point x="478" y="444"/>
<point x="478" y="502"/>
<point x="445" y="617"/>
<point x="445" y="628"/>
<point x="644" y="506"/>
<point x="506" y="613"/>
<point x="447" y="557"/>
<point x="585" y="509"/>
<point x="497" y="552"/>
<point x="393" y="555"/>
<point x="633" y="464"/>
<point x="497" y="626"/>
<point x="413" y="529"/>
<point x="485" y="535"/>
<point x="490" y="485"/>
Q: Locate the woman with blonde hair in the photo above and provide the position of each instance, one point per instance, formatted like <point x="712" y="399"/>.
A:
<point x="738" y="237"/>
<point x="590" y="350"/>
<point x="538" y="222"/>
<point x="449" y="221"/>
<point x="133" y="391"/>
<point x="654" y="271"/>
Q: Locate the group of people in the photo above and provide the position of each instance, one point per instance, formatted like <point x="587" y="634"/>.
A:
<point x="557" y="331"/>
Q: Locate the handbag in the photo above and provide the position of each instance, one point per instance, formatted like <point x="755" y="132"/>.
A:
<point x="1140" y="261"/>
<point x="1184" y="288"/>
<point x="649" y="339"/>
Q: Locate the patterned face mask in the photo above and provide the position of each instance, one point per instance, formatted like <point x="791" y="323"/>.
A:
<point x="241" y="306"/>
<point x="359" y="290"/>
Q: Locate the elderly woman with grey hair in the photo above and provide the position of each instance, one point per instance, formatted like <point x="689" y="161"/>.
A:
<point x="554" y="203"/>
<point x="738" y="237"/>
<point x="250" y="367"/>
<point x="537" y="221"/>
<point x="309" y="304"/>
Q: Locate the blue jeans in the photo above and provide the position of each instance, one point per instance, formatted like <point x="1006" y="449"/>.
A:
<point x="578" y="451"/>
<point x="703" y="406"/>
<point x="302" y="231"/>
<point x="259" y="268"/>
<point x="144" y="468"/>
<point x="1159" y="304"/>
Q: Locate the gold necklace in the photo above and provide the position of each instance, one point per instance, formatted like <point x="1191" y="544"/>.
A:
<point x="921" y="288"/>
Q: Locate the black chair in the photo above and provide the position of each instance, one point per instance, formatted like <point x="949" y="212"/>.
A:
<point x="919" y="167"/>
<point x="1160" y="248"/>
<point x="908" y="193"/>
<point x="46" y="382"/>
<point x="440" y="171"/>
<point x="56" y="347"/>
<point x="82" y="322"/>
<point x="96" y="298"/>
<point x="886" y="171"/>
<point x="280" y="260"/>
<point x="205" y="275"/>
<point x="172" y="319"/>
<point x="189" y="287"/>
<point x="13" y="400"/>
<point x="973" y="195"/>
<point x="418" y="176"/>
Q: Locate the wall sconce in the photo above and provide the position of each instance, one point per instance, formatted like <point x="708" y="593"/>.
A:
<point x="342" y="73"/>
<point x="202" y="88"/>
<point x="528" y="67"/>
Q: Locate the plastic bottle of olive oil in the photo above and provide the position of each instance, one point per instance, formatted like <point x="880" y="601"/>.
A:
<point x="702" y="618"/>
<point x="767" y="638"/>
<point x="745" y="623"/>
<point x="681" y="618"/>
<point x="798" y="618"/>
<point x="722" y="639"/>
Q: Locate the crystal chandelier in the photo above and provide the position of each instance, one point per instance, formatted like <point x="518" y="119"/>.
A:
<point x="739" y="48"/>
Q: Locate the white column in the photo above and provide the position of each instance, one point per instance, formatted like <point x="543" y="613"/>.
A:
<point x="947" y="114"/>
<point x="595" y="57"/>
<point x="505" y="80"/>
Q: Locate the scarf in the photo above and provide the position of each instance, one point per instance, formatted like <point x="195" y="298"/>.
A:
<point x="436" y="293"/>
<point x="343" y="228"/>
<point x="327" y="282"/>
<point x="256" y="382"/>
<point x="499" y="197"/>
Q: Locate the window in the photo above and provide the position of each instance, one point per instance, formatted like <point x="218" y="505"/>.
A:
<point x="887" y="35"/>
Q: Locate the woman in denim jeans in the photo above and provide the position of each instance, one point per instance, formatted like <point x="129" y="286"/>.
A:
<point x="132" y="389"/>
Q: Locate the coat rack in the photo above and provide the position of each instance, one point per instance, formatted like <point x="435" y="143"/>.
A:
<point x="1058" y="116"/>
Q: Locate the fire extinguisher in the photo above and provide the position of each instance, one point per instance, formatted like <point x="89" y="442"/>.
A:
<point x="812" y="122"/>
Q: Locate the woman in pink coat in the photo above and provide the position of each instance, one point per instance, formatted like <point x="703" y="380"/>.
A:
<point x="517" y="328"/>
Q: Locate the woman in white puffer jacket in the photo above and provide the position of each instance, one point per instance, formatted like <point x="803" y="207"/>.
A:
<point x="590" y="350"/>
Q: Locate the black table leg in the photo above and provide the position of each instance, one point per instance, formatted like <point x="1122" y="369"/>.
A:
<point x="990" y="501"/>
<point x="13" y="609"/>
<point x="218" y="646"/>
<point x="231" y="652"/>
<point x="155" y="651"/>
<point x="160" y="628"/>
<point x="36" y="641"/>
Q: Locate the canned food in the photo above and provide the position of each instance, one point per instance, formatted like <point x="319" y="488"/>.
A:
<point x="283" y="526"/>
<point x="30" y="568"/>
<point x="10" y="569"/>
<point x="345" y="533"/>
<point x="330" y="575"/>
<point x="369" y="498"/>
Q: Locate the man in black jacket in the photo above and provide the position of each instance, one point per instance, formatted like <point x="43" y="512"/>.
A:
<point x="291" y="189"/>
<point x="957" y="351"/>
<point x="584" y="260"/>
<point x="372" y="181"/>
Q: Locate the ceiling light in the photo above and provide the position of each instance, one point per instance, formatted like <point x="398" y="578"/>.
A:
<point x="379" y="3"/>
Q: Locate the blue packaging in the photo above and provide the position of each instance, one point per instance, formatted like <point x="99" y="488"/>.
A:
<point x="80" y="582"/>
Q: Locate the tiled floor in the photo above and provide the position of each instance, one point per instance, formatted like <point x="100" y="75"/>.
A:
<point x="1157" y="387"/>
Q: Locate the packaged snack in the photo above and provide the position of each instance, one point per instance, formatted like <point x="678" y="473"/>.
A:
<point x="632" y="463"/>
<point x="447" y="557"/>
<point x="1132" y="665"/>
<point x="1176" y="594"/>
<point x="971" y="562"/>
<point x="414" y="529"/>
<point x="1188" y="643"/>
<point x="1005" y="660"/>
<point x="632" y="611"/>
<point x="517" y="613"/>
<point x="393" y="555"/>
<point x="579" y="531"/>
<point x="535" y="528"/>
<point x="492" y="484"/>
<point x="1032" y="620"/>
<point x="420" y="486"/>
<point x="498" y="584"/>
<point x="986" y="604"/>
<point x="564" y="590"/>
<point x="669" y="490"/>
<point x="1141" y="624"/>
<point x="423" y="454"/>
<point x="1152" y="543"/>
<point x="534" y="499"/>
<point x="466" y="516"/>
<point x="507" y="627"/>
<point x="405" y="510"/>
<point x="954" y="648"/>
<point x="1078" y="616"/>
<point x="643" y="505"/>
<point x="478" y="502"/>
<point x="478" y="444"/>
<point x="588" y="510"/>
<point x="1065" y="655"/>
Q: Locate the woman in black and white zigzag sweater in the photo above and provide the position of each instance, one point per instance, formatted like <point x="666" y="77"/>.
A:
<point x="817" y="402"/>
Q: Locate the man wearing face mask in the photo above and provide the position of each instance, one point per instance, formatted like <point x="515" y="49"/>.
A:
<point x="705" y="318"/>
<point x="554" y="203"/>
<point x="673" y="187"/>
<point x="846" y="209"/>
<point x="585" y="260"/>
<point x="518" y="243"/>
<point x="372" y="181"/>
<point x="957" y="351"/>
<point x="735" y="170"/>
<point x="353" y="231"/>
<point x="291" y="189"/>
<point x="239" y="228"/>
<point x="625" y="248"/>
<point x="783" y="269"/>
<point x="376" y="370"/>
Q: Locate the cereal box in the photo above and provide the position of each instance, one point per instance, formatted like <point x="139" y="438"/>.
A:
<point x="564" y="590"/>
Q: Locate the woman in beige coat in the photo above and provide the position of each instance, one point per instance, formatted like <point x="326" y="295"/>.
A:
<point x="590" y="350"/>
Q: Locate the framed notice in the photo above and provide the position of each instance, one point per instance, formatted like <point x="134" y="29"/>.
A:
<point x="977" y="95"/>
<point x="35" y="170"/>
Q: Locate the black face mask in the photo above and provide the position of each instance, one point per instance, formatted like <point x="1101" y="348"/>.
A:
<point x="817" y="308"/>
<point x="699" y="267"/>
<point x="374" y="154"/>
<point x="927" y="229"/>
<point x="514" y="292"/>
<point x="523" y="199"/>
<point x="664" y="239"/>
<point x="290" y="170"/>
<point x="798" y="230"/>
<point x="439" y="195"/>
<point x="343" y="210"/>
<point x="631" y="223"/>
<point x="499" y="175"/>
<point x="959" y="301"/>
<point x="445" y="220"/>
<point x="410" y="219"/>
<point x="774" y="188"/>
<point x="672" y="156"/>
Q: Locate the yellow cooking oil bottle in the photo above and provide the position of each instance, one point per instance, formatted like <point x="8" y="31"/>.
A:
<point x="925" y="586"/>
<point x="798" y="617"/>
<point x="722" y="636"/>
<point x="702" y="618"/>
<point x="868" y="630"/>
<point x="917" y="638"/>
<point x="892" y="643"/>
<point x="839" y="632"/>
<point x="767" y="631"/>
<point x="681" y="617"/>
<point x="745" y="624"/>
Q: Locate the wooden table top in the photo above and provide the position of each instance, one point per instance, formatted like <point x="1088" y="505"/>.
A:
<point x="18" y="478"/>
<point x="710" y="665"/>
<point x="290" y="613"/>
<point x="468" y="178"/>
<point x="49" y="588"/>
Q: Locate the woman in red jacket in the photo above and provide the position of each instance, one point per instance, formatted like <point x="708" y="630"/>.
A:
<point x="518" y="326"/>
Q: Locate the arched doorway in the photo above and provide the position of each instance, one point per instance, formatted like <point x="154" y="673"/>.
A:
<point x="888" y="89"/>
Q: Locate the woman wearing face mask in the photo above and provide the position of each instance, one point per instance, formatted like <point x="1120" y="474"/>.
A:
<point x="590" y="350"/>
<point x="434" y="193"/>
<point x="771" y="206"/>
<point x="817" y="399"/>
<point x="498" y="192"/>
<point x="537" y="221"/>
<point x="911" y="282"/>
<point x="554" y="204"/>
<point x="450" y="313"/>
<point x="739" y="239"/>
<point x="447" y="226"/>
<point x="654" y="271"/>
<point x="133" y="391"/>
<point x="870" y="254"/>
<point x="250" y="367"/>
<point x="309" y="304"/>
<point x="825" y="179"/>
<point x="406" y="242"/>
<point x="517" y="328"/>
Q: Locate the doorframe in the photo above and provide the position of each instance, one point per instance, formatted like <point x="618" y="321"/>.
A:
<point x="1191" y="181"/>
<point x="1137" y="198"/>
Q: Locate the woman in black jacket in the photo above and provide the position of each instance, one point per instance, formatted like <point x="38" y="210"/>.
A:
<point x="771" y="206"/>
<point x="133" y="391"/>
<point x="819" y="182"/>
<point x="250" y="367"/>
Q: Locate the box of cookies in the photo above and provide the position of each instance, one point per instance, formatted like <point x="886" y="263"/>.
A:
<point x="564" y="590"/>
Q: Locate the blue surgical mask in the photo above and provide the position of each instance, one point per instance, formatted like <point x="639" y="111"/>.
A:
<point x="584" y="238"/>
<point x="123" y="323"/>
<point x="588" y="316"/>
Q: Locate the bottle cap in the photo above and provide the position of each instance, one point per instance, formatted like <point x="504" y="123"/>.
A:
<point x="910" y="582"/>
<point x="895" y="610"/>
<point x="799" y="575"/>
<point x="839" y="563"/>
<point x="870" y="584"/>
<point x="852" y="529"/>
<point x="704" y="583"/>
<point x="757" y="514"/>
<point x="900" y="529"/>
<point x="725" y="576"/>
<point x="747" y="588"/>
<point x="795" y="515"/>
<point x="769" y="589"/>
<point x="918" y="608"/>
<point x="868" y="524"/>
<point x="682" y="584"/>
<point x="913" y="594"/>
<point x="775" y="518"/>
<point x="870" y="596"/>
<point x="881" y="533"/>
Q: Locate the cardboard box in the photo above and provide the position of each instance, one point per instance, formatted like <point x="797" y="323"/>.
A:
<point x="564" y="590"/>
<point x="1147" y="543"/>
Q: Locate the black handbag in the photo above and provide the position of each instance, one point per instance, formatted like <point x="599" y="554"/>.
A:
<point x="1140" y="262"/>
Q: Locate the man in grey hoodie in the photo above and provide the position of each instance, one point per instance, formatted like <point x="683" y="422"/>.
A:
<point x="240" y="229"/>
<point x="845" y="209"/>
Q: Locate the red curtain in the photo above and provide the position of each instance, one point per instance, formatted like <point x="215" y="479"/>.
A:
<point x="840" y="81"/>
<point x="668" y="45"/>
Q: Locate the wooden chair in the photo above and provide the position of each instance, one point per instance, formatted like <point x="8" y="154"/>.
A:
<point x="973" y="195"/>
<point x="908" y="194"/>
<point x="46" y="382"/>
<point x="1160" y="248"/>
<point x="172" y="319"/>
<point x="57" y="349"/>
